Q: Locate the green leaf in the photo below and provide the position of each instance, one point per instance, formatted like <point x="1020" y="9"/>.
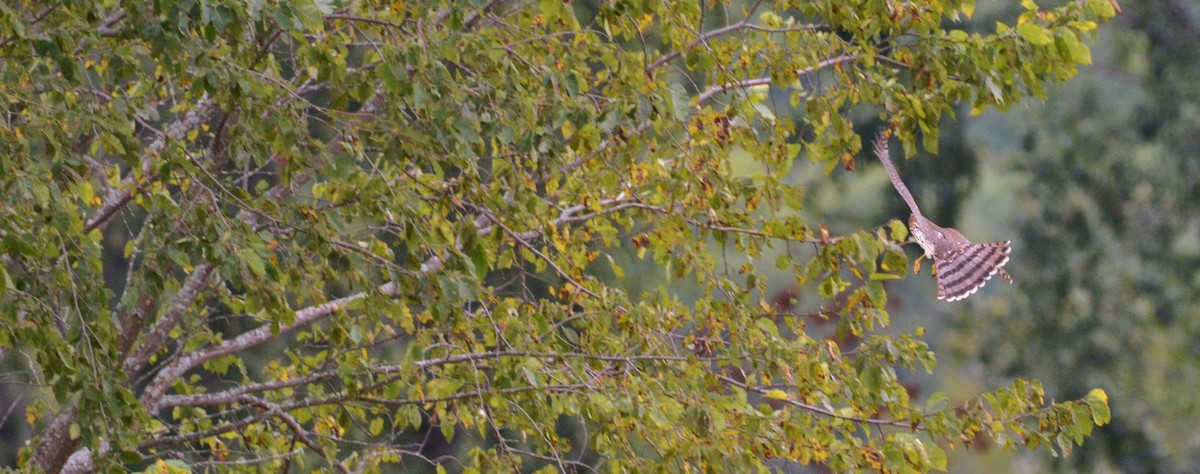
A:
<point x="1103" y="8"/>
<point x="221" y="365"/>
<point x="872" y="379"/>
<point x="1073" y="48"/>
<point x="767" y="326"/>
<point x="414" y="416"/>
<point x="177" y="466"/>
<point x="253" y="261"/>
<point x="309" y="14"/>
<point x="679" y="101"/>
<point x="937" y="457"/>
<point x="936" y="401"/>
<point x="480" y="255"/>
<point x="770" y="19"/>
<point x="571" y="335"/>
<point x="389" y="77"/>
<point x="441" y="388"/>
<point x="1081" y="424"/>
<point x="899" y="230"/>
<point x="602" y="402"/>
<point x="420" y="95"/>
<point x="1034" y="33"/>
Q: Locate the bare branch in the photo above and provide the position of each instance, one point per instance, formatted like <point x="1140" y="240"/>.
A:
<point x="717" y="89"/>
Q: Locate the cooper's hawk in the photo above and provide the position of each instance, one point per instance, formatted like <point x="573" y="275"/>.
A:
<point x="960" y="266"/>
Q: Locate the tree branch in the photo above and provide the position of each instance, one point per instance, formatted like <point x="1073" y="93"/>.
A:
<point x="235" y="394"/>
<point x="56" y="443"/>
<point x="302" y="434"/>
<point x="37" y="19"/>
<point x="157" y="336"/>
<point x="813" y="408"/>
<point x="717" y="89"/>
<point x="151" y="398"/>
<point x="116" y="200"/>
<point x="258" y="417"/>
<point x="741" y="25"/>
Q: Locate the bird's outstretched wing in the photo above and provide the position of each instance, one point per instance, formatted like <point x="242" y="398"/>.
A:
<point x="963" y="273"/>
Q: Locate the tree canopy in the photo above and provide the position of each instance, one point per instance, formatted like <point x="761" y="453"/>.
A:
<point x="343" y="235"/>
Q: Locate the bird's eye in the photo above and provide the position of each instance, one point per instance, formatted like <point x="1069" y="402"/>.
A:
<point x="941" y="235"/>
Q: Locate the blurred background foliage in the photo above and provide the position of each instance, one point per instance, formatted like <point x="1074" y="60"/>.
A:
<point x="1107" y="212"/>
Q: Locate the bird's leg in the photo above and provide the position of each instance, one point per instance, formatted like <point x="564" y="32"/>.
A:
<point x="917" y="265"/>
<point x="1004" y="275"/>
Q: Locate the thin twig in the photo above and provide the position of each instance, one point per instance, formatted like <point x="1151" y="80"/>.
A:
<point x="814" y="408"/>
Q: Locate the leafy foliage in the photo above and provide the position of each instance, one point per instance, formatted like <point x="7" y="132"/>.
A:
<point x="315" y="233"/>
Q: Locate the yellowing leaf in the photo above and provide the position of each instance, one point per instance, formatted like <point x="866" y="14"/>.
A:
<point x="968" y="8"/>
<point x="646" y="20"/>
<point x="1097" y="401"/>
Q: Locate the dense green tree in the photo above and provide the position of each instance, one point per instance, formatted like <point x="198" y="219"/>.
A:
<point x="243" y="234"/>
